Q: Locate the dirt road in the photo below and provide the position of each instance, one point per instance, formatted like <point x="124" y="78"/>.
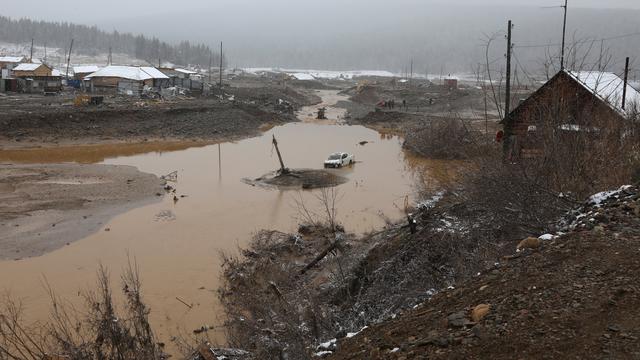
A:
<point x="45" y="207"/>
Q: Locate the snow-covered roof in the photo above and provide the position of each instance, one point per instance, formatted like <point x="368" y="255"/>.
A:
<point x="26" y="67"/>
<point x="86" y="69"/>
<point x="11" y="59"/>
<point x="607" y="86"/>
<point x="185" y="71"/>
<point x="56" y="73"/>
<point x="129" y="72"/>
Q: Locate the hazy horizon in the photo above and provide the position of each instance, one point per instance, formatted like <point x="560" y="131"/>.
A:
<point x="372" y="34"/>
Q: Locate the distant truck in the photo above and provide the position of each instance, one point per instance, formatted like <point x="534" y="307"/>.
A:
<point x="338" y="160"/>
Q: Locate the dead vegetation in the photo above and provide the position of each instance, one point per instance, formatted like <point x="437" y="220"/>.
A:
<point x="99" y="331"/>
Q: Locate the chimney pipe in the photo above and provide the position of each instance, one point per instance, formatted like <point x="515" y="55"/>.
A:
<point x="626" y="79"/>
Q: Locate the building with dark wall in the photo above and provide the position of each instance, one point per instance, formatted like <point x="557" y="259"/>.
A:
<point x="570" y="105"/>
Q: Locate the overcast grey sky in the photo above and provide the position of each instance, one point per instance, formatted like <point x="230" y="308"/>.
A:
<point x="87" y="11"/>
<point x="343" y="34"/>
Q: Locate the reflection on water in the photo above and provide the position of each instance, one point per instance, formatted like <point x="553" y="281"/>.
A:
<point x="177" y="243"/>
<point x="89" y="154"/>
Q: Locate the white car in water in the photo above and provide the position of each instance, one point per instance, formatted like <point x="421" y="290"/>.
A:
<point x="338" y="160"/>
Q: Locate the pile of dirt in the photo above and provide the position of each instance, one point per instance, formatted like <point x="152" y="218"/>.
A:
<point x="572" y="295"/>
<point x="300" y="178"/>
<point x="44" y="207"/>
<point x="395" y="122"/>
<point x="29" y="121"/>
<point x="366" y="95"/>
<point x="202" y="121"/>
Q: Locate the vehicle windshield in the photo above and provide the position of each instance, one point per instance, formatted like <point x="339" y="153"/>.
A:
<point x="334" y="157"/>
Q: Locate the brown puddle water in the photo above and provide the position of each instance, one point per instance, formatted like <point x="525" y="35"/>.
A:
<point x="177" y="245"/>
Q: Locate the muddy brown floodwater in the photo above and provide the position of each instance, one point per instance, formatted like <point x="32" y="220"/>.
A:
<point x="177" y="244"/>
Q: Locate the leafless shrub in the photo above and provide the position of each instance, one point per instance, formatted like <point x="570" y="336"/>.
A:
<point x="327" y="217"/>
<point x="444" y="139"/>
<point x="99" y="332"/>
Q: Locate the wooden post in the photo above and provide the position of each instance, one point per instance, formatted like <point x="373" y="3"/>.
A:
<point x="507" y="100"/>
<point x="68" y="61"/>
<point x="626" y="81"/>
<point x="221" y="66"/>
<point x="564" y="32"/>
<point x="283" y="170"/>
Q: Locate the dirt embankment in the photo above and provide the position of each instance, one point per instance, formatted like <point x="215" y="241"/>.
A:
<point x="44" y="207"/>
<point x="574" y="296"/>
<point x="30" y="121"/>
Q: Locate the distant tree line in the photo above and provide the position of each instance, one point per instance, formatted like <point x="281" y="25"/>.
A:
<point x="89" y="40"/>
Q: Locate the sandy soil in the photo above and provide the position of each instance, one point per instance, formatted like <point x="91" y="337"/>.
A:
<point x="45" y="207"/>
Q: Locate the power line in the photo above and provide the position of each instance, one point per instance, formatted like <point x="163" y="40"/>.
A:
<point x="581" y="41"/>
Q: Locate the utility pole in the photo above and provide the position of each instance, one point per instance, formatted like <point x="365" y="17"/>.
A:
<point x="507" y="101"/>
<point x="564" y="33"/>
<point x="31" y="56"/>
<point x="110" y="58"/>
<point x="506" y="144"/>
<point x="69" y="60"/>
<point x="45" y="52"/>
<point x="210" y="63"/>
<point x="626" y="81"/>
<point x="221" y="65"/>
<point x="411" y="76"/>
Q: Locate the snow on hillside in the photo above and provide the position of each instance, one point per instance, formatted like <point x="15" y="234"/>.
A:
<point x="56" y="56"/>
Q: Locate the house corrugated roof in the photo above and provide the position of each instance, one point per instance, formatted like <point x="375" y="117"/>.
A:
<point x="26" y="67"/>
<point x="185" y="71"/>
<point x="128" y="72"/>
<point x="11" y="59"/>
<point x="85" y="69"/>
<point x="607" y="86"/>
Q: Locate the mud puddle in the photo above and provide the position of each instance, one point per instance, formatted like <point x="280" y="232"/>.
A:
<point x="177" y="243"/>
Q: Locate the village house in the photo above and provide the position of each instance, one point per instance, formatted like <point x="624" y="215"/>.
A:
<point x="186" y="79"/>
<point x="80" y="72"/>
<point x="128" y="80"/>
<point x="7" y="63"/>
<point x="587" y="104"/>
<point x="37" y="78"/>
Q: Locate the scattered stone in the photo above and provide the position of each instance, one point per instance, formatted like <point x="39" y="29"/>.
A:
<point x="479" y="312"/>
<point x="529" y="243"/>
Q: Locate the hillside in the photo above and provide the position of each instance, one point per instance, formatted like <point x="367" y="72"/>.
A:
<point x="575" y="296"/>
<point x="91" y="41"/>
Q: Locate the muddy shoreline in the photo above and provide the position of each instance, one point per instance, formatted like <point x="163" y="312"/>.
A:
<point x="45" y="207"/>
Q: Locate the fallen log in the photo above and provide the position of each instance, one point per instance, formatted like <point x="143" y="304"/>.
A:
<point x="322" y="255"/>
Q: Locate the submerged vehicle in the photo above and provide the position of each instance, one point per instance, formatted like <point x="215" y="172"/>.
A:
<point x="338" y="160"/>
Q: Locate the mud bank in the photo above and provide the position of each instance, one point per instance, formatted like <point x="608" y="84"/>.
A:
<point x="45" y="207"/>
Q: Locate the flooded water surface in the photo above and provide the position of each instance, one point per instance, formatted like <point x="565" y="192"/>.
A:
<point x="177" y="244"/>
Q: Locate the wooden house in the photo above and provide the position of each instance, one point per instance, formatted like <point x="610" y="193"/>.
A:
<point x="128" y="80"/>
<point x="35" y="78"/>
<point x="80" y="72"/>
<point x="584" y="104"/>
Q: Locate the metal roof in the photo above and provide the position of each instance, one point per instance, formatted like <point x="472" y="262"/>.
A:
<point x="129" y="72"/>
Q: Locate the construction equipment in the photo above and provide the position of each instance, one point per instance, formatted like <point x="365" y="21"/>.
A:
<point x="283" y="170"/>
<point x="86" y="100"/>
<point x="321" y="114"/>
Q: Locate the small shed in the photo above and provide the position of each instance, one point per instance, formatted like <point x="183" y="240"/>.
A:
<point x="451" y="83"/>
<point x="570" y="104"/>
